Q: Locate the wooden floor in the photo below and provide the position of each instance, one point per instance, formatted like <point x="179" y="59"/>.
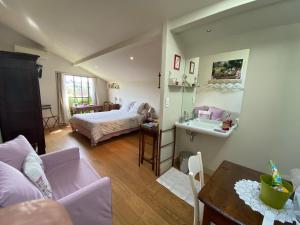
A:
<point x="137" y="198"/>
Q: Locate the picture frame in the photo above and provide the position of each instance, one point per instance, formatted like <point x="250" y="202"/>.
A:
<point x="227" y="70"/>
<point x="192" y="67"/>
<point x="177" y="61"/>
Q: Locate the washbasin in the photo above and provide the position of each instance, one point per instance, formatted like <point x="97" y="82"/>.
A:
<point x="211" y="127"/>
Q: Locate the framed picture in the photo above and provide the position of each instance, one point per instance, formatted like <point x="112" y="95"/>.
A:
<point x="192" y="67"/>
<point x="177" y="59"/>
<point x="230" y="69"/>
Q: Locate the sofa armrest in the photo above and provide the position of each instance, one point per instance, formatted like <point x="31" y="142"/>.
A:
<point x="55" y="158"/>
<point x="90" y="205"/>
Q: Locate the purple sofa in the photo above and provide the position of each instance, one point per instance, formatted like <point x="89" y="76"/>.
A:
<point x="75" y="184"/>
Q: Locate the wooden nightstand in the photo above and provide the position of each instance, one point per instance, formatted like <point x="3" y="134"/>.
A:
<point x="146" y="130"/>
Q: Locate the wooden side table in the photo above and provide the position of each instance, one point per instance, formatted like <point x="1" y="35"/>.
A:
<point x="221" y="203"/>
<point x="154" y="133"/>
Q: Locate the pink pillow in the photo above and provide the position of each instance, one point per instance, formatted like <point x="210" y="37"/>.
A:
<point x="217" y="113"/>
<point x="14" y="187"/>
<point x="15" y="151"/>
<point x="204" y="114"/>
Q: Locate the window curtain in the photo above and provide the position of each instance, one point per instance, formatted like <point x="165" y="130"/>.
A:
<point x="94" y="92"/>
<point x="62" y="99"/>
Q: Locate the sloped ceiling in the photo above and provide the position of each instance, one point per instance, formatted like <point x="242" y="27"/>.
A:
<point x="278" y="14"/>
<point x="75" y="29"/>
<point x="117" y="65"/>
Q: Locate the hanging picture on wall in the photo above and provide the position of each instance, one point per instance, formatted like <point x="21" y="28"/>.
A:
<point x="177" y="59"/>
<point x="230" y="69"/>
<point x="192" y="67"/>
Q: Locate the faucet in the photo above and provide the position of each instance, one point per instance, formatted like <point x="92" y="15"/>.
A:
<point x="186" y="116"/>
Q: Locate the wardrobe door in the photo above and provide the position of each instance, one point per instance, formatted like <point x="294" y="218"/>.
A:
<point x="20" y="105"/>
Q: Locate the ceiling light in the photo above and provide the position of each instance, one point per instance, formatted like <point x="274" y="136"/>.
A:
<point x="131" y="58"/>
<point x="32" y="23"/>
<point x="209" y="30"/>
<point x="3" y="3"/>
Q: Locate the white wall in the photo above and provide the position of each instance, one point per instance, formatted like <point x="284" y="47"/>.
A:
<point x="171" y="46"/>
<point x="171" y="97"/>
<point x="50" y="64"/>
<point x="9" y="38"/>
<point x="269" y="127"/>
<point x="138" y="78"/>
<point x="230" y="100"/>
<point x="141" y="91"/>
<point x="55" y="63"/>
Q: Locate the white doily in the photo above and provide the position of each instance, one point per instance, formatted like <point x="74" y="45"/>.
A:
<point x="249" y="191"/>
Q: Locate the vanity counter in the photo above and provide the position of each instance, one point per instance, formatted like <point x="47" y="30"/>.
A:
<point x="205" y="126"/>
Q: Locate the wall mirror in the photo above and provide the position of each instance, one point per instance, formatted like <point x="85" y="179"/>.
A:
<point x="214" y="83"/>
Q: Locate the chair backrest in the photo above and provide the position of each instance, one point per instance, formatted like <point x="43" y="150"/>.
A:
<point x="196" y="166"/>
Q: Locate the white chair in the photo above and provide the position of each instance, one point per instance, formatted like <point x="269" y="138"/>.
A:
<point x="196" y="166"/>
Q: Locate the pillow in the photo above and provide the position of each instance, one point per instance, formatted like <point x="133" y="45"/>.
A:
<point x="126" y="106"/>
<point x="15" y="187"/>
<point x="33" y="168"/>
<point x="217" y="113"/>
<point x="204" y="114"/>
<point x="137" y="107"/>
<point x="203" y="108"/>
<point x="15" y="151"/>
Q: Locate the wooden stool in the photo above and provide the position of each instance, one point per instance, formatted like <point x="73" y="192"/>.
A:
<point x="152" y="132"/>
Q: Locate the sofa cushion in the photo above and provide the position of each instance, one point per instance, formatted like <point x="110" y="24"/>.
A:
<point x="217" y="113"/>
<point x="33" y="169"/>
<point x="198" y="108"/>
<point x="204" y="114"/>
<point x="70" y="177"/>
<point x="15" y="151"/>
<point x="15" y="187"/>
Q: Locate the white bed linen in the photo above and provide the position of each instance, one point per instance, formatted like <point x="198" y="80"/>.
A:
<point x="104" y="123"/>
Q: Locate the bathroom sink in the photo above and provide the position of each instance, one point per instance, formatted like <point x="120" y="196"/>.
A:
<point x="210" y="127"/>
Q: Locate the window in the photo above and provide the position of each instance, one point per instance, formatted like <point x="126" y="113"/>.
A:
<point x="78" y="90"/>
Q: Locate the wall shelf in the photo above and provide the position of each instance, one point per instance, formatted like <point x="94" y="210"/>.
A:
<point x="174" y="85"/>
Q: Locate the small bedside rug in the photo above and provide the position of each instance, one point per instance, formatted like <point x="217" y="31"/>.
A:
<point x="178" y="183"/>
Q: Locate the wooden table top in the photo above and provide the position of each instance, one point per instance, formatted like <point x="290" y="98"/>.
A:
<point x="219" y="194"/>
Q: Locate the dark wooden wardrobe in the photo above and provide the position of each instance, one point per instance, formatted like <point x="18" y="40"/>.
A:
<point x="20" y="101"/>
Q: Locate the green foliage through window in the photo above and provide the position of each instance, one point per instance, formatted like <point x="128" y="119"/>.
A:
<point x="78" y="90"/>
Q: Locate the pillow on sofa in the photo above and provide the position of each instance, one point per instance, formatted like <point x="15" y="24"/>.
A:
<point x="15" y="187"/>
<point x="15" y="151"/>
<point x="33" y="169"/>
<point x="204" y="114"/>
<point x="198" y="108"/>
<point x="217" y="113"/>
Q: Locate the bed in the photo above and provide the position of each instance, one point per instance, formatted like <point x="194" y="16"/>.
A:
<point x="100" y="126"/>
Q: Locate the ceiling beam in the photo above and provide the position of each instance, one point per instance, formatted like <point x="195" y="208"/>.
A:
<point x="139" y="39"/>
